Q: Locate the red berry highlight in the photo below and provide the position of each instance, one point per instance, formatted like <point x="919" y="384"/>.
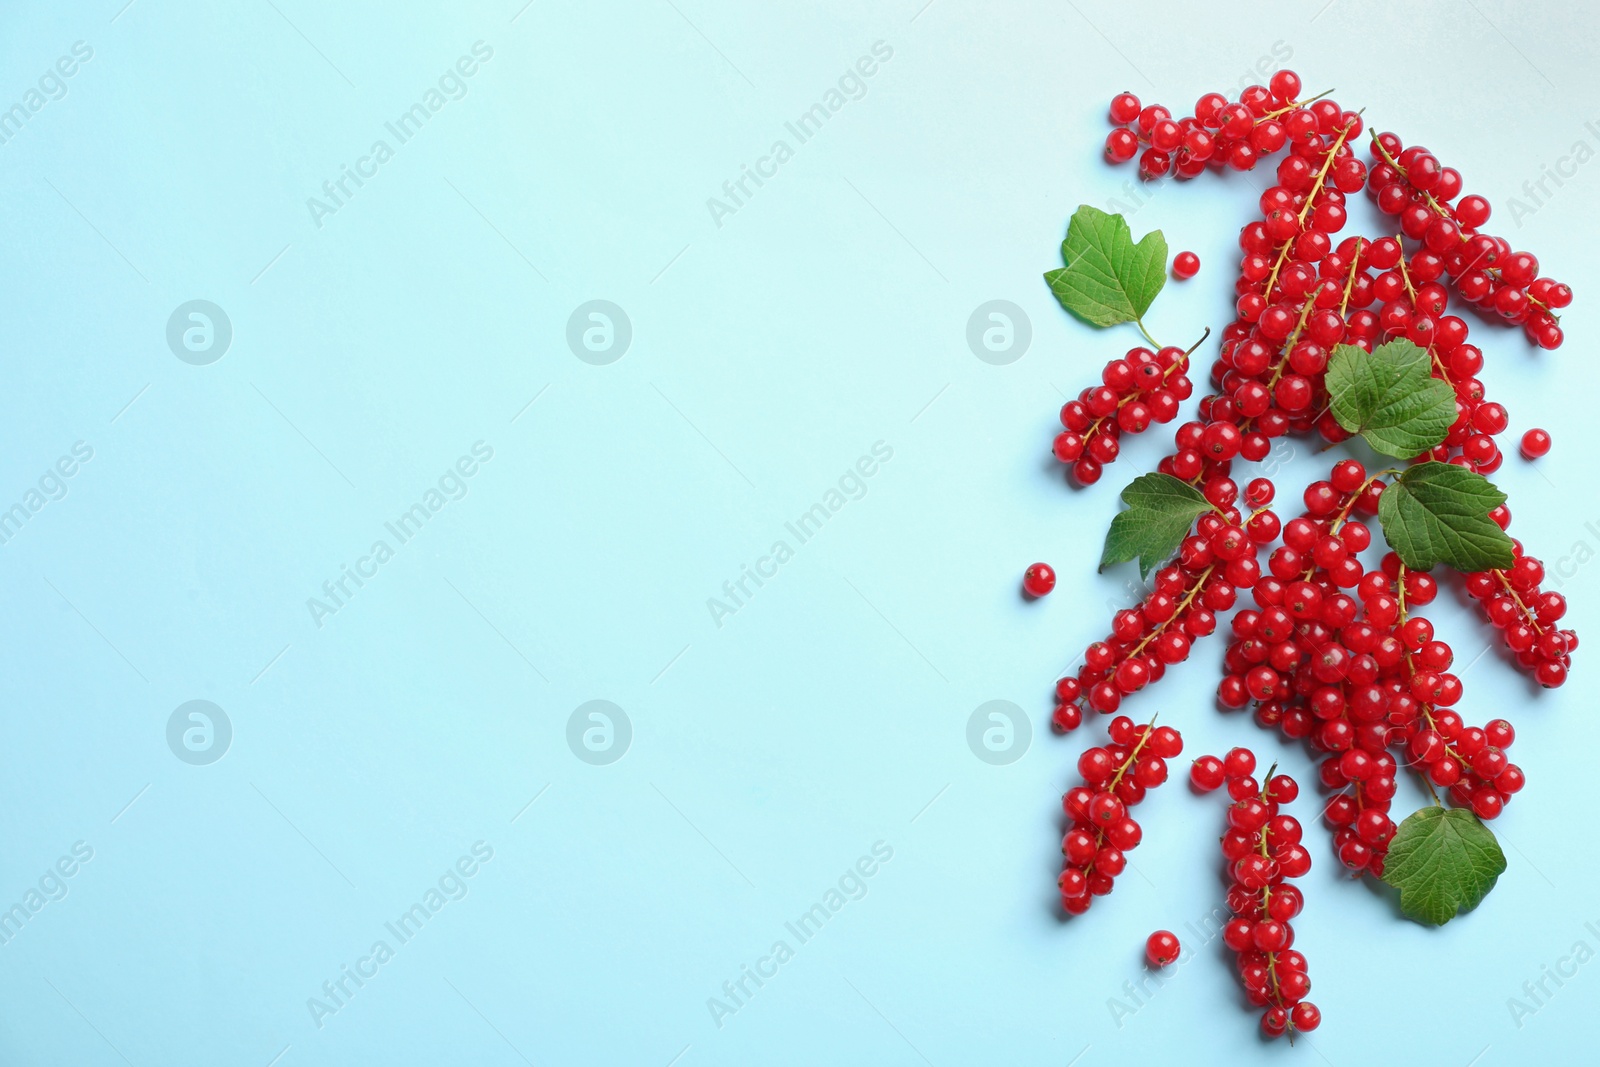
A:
<point x="1535" y="443"/>
<point x="1039" y="579"/>
<point x="1161" y="948"/>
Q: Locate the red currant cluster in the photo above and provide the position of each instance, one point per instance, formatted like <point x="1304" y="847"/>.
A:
<point x="1116" y="777"/>
<point x="1292" y="291"/>
<point x="1525" y="615"/>
<point x="1359" y="675"/>
<point x="1142" y="388"/>
<point x="1213" y="563"/>
<point x="1411" y="184"/>
<point x="1293" y="295"/>
<point x="1299" y="295"/>
<point x="1331" y="652"/>
<point x="1469" y="761"/>
<point x="1262" y="847"/>
<point x="1411" y="304"/>
<point x="1470" y="441"/>
<point x="1220" y="132"/>
<point x="1301" y="594"/>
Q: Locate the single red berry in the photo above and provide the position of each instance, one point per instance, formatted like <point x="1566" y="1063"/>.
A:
<point x="1105" y="810"/>
<point x="1305" y="1016"/>
<point x="1039" y="579"/>
<point x="1125" y="108"/>
<point x="1066" y="717"/>
<point x="1121" y="145"/>
<point x="1206" y="773"/>
<point x="1161" y="948"/>
<point x="1285" y="85"/>
<point x="1535" y="443"/>
<point x="1185" y="265"/>
<point x="1239" y="762"/>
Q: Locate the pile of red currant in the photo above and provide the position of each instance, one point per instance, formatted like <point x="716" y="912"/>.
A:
<point x="1327" y="647"/>
<point x="1262" y="849"/>
<point x="1142" y="388"/>
<point x="1411" y="184"/>
<point x="1213" y="564"/>
<point x="1101" y="830"/>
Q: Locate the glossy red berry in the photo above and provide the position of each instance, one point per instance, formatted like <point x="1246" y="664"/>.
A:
<point x="1125" y="108"/>
<point x="1039" y="579"/>
<point x="1206" y="773"/>
<point x="1326" y="643"/>
<point x="1535" y="443"/>
<point x="1161" y="948"/>
<point x="1239" y="762"/>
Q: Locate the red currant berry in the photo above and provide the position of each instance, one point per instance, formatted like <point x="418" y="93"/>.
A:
<point x="1185" y="265"/>
<point x="1066" y="718"/>
<point x="1237" y="935"/>
<point x="1039" y="579"/>
<point x="1161" y="948"/>
<point x="1105" y="809"/>
<point x="1535" y="443"/>
<point x="1121" y="145"/>
<point x="1096" y="767"/>
<point x="1239" y="763"/>
<point x="1206" y="773"/>
<point x="1125" y="108"/>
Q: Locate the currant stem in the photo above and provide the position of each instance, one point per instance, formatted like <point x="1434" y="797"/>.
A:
<point x="1133" y="756"/>
<point x="1443" y="212"/>
<point x="1198" y="343"/>
<point x="1405" y="275"/>
<point x="1094" y="426"/>
<point x="1188" y="598"/>
<point x="1140" y="323"/>
<point x="1533" y="620"/>
<point x="1322" y="175"/>
<point x="1298" y="104"/>
<point x="1349" y="284"/>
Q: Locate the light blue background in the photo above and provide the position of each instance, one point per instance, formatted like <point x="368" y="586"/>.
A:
<point x="768" y="354"/>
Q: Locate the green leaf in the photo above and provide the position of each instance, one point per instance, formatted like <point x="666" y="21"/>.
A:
<point x="1443" y="861"/>
<point x="1439" y="513"/>
<point x="1107" y="278"/>
<point x="1161" y="510"/>
<point x="1390" y="397"/>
